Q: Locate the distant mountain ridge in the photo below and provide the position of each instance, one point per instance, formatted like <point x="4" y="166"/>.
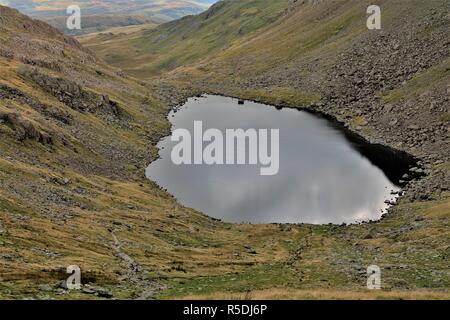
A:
<point x="98" y="15"/>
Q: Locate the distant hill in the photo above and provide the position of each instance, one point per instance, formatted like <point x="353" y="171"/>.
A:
<point x="99" y="15"/>
<point x="189" y="39"/>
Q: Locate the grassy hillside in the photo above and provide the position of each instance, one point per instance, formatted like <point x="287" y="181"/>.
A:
<point x="77" y="135"/>
<point x="103" y="23"/>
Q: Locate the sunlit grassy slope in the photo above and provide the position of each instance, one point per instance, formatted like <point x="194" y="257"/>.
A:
<point x="185" y="41"/>
<point x="245" y="39"/>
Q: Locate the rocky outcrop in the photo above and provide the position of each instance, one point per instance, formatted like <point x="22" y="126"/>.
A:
<point x="74" y="95"/>
<point x="52" y="65"/>
<point x="12" y="20"/>
<point x="24" y="128"/>
<point x="9" y="93"/>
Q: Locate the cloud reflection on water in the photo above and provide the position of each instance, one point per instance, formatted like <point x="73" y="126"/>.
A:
<point x="322" y="178"/>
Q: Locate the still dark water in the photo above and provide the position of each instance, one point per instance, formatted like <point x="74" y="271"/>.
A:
<point x="326" y="175"/>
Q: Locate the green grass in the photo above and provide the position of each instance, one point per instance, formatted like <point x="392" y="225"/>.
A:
<point x="446" y="117"/>
<point x="419" y="83"/>
<point x="280" y="96"/>
<point x="253" y="278"/>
